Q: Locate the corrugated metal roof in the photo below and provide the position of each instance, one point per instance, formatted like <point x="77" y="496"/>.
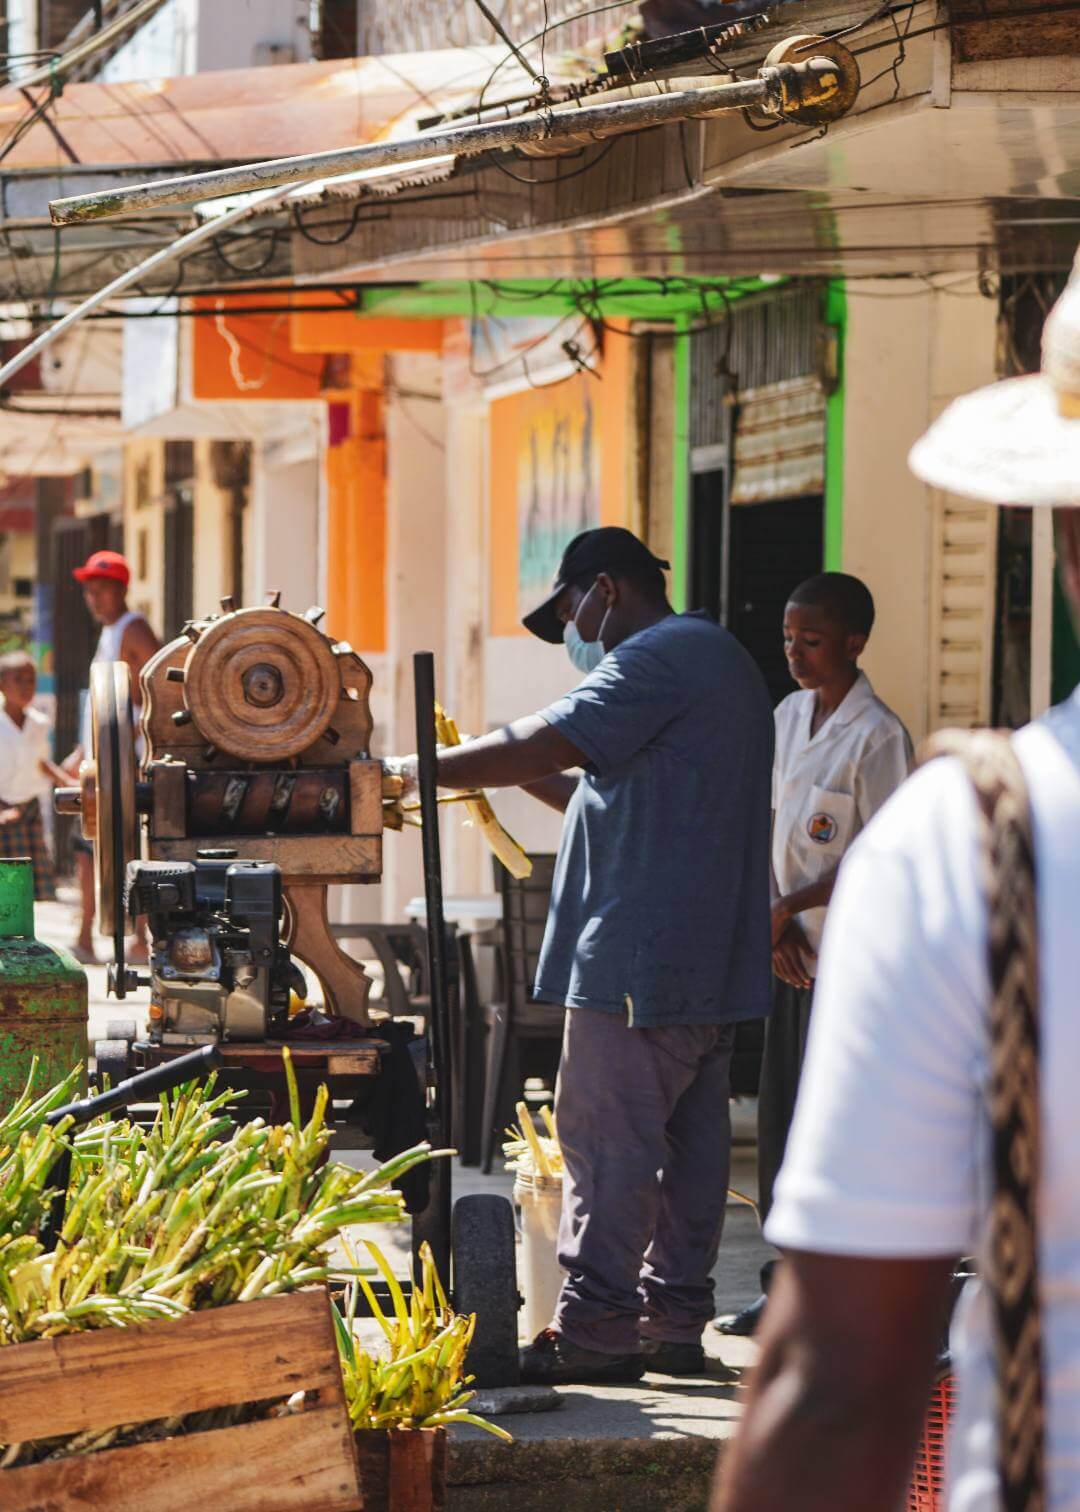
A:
<point x="235" y="115"/>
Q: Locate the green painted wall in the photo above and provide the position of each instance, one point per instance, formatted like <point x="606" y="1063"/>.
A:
<point x="630" y="298"/>
<point x="680" y="469"/>
<point x="835" y="316"/>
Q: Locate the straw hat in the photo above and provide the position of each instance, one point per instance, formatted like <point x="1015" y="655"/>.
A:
<point x="1016" y="442"/>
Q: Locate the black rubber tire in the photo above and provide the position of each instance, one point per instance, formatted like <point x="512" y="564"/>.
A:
<point x="121" y="1029"/>
<point x="113" y="1057"/>
<point x="485" y="1283"/>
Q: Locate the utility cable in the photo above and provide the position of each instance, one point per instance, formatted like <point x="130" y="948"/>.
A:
<point x="500" y="31"/>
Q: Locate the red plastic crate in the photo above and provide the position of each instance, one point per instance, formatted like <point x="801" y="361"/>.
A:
<point x="927" y="1492"/>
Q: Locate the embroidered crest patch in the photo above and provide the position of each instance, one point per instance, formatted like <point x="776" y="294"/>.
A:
<point x="821" y="828"/>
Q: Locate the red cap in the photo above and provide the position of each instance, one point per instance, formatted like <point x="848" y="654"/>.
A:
<point x="104" y="564"/>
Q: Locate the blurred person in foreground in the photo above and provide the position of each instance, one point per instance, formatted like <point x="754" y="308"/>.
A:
<point x="125" y="636"/>
<point x="897" y="1141"/>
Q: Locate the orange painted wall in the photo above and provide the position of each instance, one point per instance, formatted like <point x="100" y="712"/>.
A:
<point x="345" y="331"/>
<point x="249" y="356"/>
<point x="550" y="420"/>
<point x="356" y="521"/>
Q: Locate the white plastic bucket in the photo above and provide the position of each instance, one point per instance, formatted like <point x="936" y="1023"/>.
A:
<point x="540" y="1201"/>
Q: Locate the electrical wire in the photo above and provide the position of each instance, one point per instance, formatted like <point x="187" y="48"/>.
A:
<point x="544" y="32"/>
<point x="384" y="214"/>
<point x="492" y="160"/>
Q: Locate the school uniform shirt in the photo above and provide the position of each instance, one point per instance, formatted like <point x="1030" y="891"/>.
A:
<point x="827" y="787"/>
<point x="660" y="903"/>
<point x="890" y="1153"/>
<point x="21" y="752"/>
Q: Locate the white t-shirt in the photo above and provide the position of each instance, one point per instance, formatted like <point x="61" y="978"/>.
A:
<point x="21" y="752"/>
<point x="109" y="647"/>
<point x="889" y="1152"/>
<point x="827" y="787"/>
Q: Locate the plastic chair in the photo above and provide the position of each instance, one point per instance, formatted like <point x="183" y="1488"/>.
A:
<point x="394" y="946"/>
<point x="517" y="1017"/>
<point x="468" y="1056"/>
<point x="397" y="945"/>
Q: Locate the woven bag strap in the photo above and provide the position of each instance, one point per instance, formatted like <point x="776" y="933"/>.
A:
<point x="1008" y="872"/>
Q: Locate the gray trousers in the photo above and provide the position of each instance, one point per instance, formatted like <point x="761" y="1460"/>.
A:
<point x="781" y="1066"/>
<point x="645" y="1130"/>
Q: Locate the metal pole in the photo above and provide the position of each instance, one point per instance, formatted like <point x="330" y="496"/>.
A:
<point x="764" y="93"/>
<point x="47" y="73"/>
<point x="133" y="275"/>
<point x="424" y="682"/>
<point x="434" y="1224"/>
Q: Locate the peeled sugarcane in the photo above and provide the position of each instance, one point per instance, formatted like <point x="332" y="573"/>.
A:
<point x="480" y="811"/>
<point x="421" y="1381"/>
<point x="192" y="1213"/>
<point x="529" y="1152"/>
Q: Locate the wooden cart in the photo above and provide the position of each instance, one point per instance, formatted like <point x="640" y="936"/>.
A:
<point x="244" y="1353"/>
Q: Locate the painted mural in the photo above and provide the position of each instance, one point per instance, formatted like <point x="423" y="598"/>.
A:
<point x="559" y="465"/>
<point x="558" y="484"/>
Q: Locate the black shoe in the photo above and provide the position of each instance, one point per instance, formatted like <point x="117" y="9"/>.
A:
<point x="662" y="1357"/>
<point x="551" y="1360"/>
<point x="742" y="1324"/>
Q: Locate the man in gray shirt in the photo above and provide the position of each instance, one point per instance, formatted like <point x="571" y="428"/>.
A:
<point x="657" y="941"/>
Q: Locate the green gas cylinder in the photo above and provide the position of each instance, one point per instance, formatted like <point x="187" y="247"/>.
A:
<point x="43" y="1000"/>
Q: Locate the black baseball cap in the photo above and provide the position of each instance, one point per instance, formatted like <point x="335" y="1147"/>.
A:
<point x="602" y="550"/>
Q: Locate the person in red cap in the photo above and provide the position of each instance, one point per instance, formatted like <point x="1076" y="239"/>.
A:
<point x="125" y="636"/>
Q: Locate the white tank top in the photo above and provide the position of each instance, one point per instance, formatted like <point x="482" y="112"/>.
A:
<point x="111" y="638"/>
<point x="110" y="643"/>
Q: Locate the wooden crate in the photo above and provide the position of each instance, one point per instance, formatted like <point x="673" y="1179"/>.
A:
<point x="243" y="1353"/>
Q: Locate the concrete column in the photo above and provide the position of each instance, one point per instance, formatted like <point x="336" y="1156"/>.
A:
<point x="465" y="855"/>
<point x="283" y="540"/>
<point x="417" y="567"/>
<point x="907" y="355"/>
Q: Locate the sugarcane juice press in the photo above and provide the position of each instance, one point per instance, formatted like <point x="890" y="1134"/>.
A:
<point x="255" y="793"/>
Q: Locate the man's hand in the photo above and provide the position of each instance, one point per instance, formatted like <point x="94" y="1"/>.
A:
<point x="10" y="815"/>
<point x="407" y="768"/>
<point x="792" y="956"/>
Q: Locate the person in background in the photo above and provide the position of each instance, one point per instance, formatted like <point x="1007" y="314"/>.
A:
<point x="125" y="636"/>
<point x="840" y="754"/>
<point x="657" y="943"/>
<point x="26" y="770"/>
<point x="897" y="1166"/>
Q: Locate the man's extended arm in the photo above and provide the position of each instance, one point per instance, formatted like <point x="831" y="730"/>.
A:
<point x="834" y="1407"/>
<point x="522" y="753"/>
<point x="555" y="791"/>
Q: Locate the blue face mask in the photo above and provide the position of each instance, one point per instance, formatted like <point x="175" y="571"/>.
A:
<point x="585" y="655"/>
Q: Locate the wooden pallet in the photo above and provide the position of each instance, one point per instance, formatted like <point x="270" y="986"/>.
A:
<point x="248" y="1352"/>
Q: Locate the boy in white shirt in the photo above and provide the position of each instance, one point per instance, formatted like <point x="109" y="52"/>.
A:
<point x="25" y="770"/>
<point x="840" y="753"/>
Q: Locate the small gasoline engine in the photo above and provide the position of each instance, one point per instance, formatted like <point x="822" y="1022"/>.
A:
<point x="218" y="969"/>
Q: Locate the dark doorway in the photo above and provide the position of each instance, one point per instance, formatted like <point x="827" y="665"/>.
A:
<point x="74" y="639"/>
<point x="708" y="504"/>
<point x="179" y="519"/>
<point x="746" y="559"/>
<point x="773" y="547"/>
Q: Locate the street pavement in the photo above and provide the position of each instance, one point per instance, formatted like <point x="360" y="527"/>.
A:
<point x="607" y="1449"/>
